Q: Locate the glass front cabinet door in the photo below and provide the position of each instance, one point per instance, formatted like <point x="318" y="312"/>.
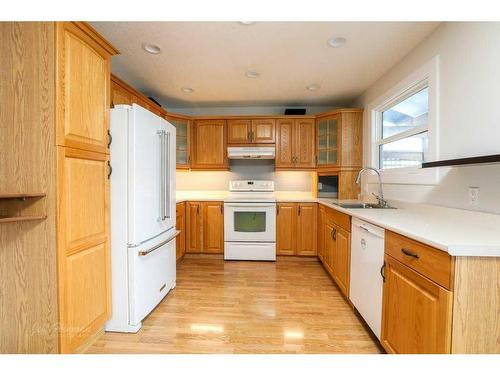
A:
<point x="327" y="145"/>
<point x="182" y="141"/>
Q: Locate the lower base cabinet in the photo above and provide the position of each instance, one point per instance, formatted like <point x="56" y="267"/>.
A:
<point x="180" y="219"/>
<point x="334" y="246"/>
<point x="416" y="312"/>
<point x="296" y="228"/>
<point x="205" y="227"/>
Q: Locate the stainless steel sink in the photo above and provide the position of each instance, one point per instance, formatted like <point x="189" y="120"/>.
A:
<point x="362" y="205"/>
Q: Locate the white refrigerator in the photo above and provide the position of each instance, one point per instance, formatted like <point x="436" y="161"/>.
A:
<point x="143" y="259"/>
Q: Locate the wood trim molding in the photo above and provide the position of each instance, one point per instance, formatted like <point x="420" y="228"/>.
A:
<point x="84" y="26"/>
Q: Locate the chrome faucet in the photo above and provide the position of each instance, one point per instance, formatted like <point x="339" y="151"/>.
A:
<point x="380" y="197"/>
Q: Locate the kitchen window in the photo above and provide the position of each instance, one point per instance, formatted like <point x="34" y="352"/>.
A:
<point x="404" y="129"/>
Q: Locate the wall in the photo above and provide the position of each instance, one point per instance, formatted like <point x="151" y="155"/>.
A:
<point x="469" y="113"/>
<point x="260" y="110"/>
<point x="244" y="170"/>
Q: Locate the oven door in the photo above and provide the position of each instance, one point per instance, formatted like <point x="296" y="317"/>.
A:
<point x="250" y="222"/>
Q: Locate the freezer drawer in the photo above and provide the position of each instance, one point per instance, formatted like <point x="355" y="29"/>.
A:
<point x="151" y="277"/>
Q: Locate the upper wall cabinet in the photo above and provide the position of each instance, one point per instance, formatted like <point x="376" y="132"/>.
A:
<point x="295" y="144"/>
<point x="123" y="93"/>
<point x="182" y="140"/>
<point x="209" y="145"/>
<point x="339" y="139"/>
<point x="250" y="131"/>
<point x="83" y="88"/>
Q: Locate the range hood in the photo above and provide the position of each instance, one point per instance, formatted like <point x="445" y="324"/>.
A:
<point x="251" y="152"/>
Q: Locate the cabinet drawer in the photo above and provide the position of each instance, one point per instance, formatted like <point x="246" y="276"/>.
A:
<point x="340" y="219"/>
<point x="428" y="261"/>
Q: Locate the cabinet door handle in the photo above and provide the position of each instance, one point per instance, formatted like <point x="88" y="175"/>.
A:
<point x="335" y="234"/>
<point x="409" y="253"/>
<point x="299" y="210"/>
<point x="382" y="272"/>
<point x="110" y="138"/>
<point x="110" y="169"/>
<point x="277" y="209"/>
<point x="222" y="209"/>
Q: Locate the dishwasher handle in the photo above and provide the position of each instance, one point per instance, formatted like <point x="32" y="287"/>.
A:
<point x="368" y="228"/>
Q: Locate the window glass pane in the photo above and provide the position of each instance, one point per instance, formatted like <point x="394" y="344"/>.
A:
<point x="332" y="157"/>
<point x="322" y="141"/>
<point x="406" y="152"/>
<point x="322" y="127"/>
<point x="250" y="221"/>
<point x="407" y="114"/>
<point x="181" y="157"/>
<point x="322" y="157"/>
<point x="181" y="143"/>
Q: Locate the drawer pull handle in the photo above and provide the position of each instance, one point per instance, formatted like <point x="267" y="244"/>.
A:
<point x="409" y="253"/>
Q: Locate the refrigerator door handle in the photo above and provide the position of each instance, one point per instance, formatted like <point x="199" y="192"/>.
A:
<point x="149" y="251"/>
<point x="167" y="175"/>
<point x="162" y="155"/>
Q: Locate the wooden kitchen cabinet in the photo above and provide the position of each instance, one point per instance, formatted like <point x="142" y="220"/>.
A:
<point x="83" y="245"/>
<point x="341" y="259"/>
<point x="339" y="137"/>
<point x="213" y="227"/>
<point x="335" y="246"/>
<point x="82" y="88"/>
<point x="296" y="229"/>
<point x="286" y="232"/>
<point x="193" y="227"/>
<point x="295" y="145"/>
<point x="180" y="223"/>
<point x="250" y="131"/>
<point x="238" y="131"/>
<point x="263" y="131"/>
<point x="321" y="232"/>
<point x="204" y="227"/>
<point x="123" y="93"/>
<point x="209" y="145"/>
<point x="307" y="229"/>
<point x="416" y="315"/>
<point x="182" y="145"/>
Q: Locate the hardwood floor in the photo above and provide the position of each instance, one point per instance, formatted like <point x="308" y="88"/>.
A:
<point x="290" y="306"/>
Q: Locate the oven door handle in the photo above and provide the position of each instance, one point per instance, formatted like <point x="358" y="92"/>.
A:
<point x="247" y="205"/>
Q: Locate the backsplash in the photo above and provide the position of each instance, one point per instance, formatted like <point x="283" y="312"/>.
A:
<point x="244" y="170"/>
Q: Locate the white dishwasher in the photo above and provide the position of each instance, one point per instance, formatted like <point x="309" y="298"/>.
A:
<point x="367" y="261"/>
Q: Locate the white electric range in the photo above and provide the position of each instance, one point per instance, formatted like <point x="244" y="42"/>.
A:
<point x="250" y="221"/>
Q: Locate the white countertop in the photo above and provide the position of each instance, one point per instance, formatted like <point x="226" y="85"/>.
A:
<point x="458" y="232"/>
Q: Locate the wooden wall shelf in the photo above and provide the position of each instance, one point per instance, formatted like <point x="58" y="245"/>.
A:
<point x="14" y="219"/>
<point x="18" y="207"/>
<point x="22" y="195"/>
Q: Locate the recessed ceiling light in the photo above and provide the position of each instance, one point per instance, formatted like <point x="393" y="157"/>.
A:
<point x="252" y="74"/>
<point x="313" y="87"/>
<point x="151" y="48"/>
<point x="246" y="23"/>
<point x="187" y="89"/>
<point x="336" y="41"/>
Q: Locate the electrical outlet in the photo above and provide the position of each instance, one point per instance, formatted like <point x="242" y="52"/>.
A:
<point x="473" y="196"/>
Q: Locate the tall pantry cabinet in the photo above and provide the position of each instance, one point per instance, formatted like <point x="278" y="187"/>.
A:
<point x="57" y="95"/>
<point x="82" y="138"/>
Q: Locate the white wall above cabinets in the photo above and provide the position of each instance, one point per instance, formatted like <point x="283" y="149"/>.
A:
<point x="468" y="112"/>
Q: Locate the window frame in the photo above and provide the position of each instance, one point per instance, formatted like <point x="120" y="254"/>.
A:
<point x="426" y="76"/>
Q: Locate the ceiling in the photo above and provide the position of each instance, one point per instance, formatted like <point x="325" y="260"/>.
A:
<point x="212" y="58"/>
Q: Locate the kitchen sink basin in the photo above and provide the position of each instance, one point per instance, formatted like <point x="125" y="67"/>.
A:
<point x="363" y="205"/>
